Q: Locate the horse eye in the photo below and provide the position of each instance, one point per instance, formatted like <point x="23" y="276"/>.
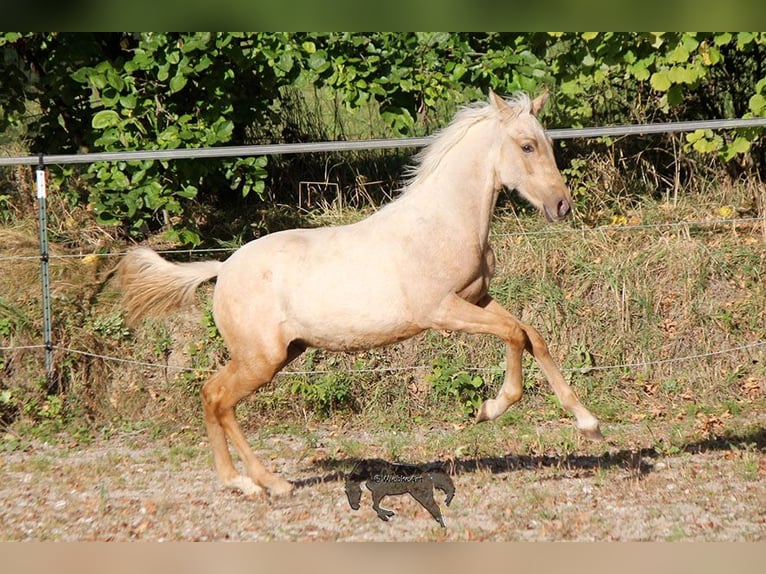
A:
<point x="527" y="148"/>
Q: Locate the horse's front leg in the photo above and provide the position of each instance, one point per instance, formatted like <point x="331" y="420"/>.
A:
<point x="511" y="390"/>
<point x="489" y="317"/>
<point x="377" y="496"/>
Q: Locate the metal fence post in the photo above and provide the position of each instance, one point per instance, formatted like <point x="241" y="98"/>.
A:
<point x="42" y="218"/>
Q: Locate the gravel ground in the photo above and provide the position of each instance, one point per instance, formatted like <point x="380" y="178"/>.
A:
<point x="134" y="487"/>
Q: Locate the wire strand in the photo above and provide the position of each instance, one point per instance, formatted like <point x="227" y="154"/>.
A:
<point x="582" y="370"/>
<point x="551" y="230"/>
<point x="22" y="348"/>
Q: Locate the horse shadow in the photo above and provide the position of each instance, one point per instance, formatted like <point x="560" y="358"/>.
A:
<point x="420" y="480"/>
<point x="383" y="478"/>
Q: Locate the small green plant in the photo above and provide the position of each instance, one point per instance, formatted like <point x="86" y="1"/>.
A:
<point x="677" y="533"/>
<point x="163" y="342"/>
<point x="449" y="382"/>
<point x="211" y="330"/>
<point x="671" y="444"/>
<point x="329" y="393"/>
<point x="395" y="445"/>
<point x="9" y="404"/>
<point x="48" y="418"/>
<point x="110" y="326"/>
<point x="6" y="208"/>
<point x="750" y="462"/>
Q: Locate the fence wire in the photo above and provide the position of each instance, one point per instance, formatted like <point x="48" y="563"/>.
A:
<point x="550" y="230"/>
<point x="381" y="370"/>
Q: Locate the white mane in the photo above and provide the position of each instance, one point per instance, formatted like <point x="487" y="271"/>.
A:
<point x="428" y="159"/>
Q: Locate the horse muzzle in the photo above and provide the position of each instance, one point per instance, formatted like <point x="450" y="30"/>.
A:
<point x="562" y="210"/>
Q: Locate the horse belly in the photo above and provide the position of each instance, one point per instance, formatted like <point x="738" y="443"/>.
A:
<point x="350" y="327"/>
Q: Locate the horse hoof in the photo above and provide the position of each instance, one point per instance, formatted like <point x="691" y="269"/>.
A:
<point x="281" y="488"/>
<point x="592" y="434"/>
<point x="245" y="485"/>
<point x="483" y="414"/>
<point x="384" y="515"/>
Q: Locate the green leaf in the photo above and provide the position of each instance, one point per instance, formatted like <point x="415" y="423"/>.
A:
<point x="187" y="192"/>
<point x="105" y="119"/>
<point x="738" y="146"/>
<point x="109" y="137"/>
<point x="711" y="56"/>
<point x="153" y="195"/>
<point x="317" y="61"/>
<point x="177" y="83"/>
<point x="129" y="102"/>
<point x="678" y="55"/>
<point x="692" y="137"/>
<point x="681" y="75"/>
<point x="640" y="70"/>
<point x="757" y="104"/>
<point x="571" y="88"/>
<point x="119" y="180"/>
<point x="708" y="142"/>
<point x="132" y="203"/>
<point x="744" y="38"/>
<point x="223" y="130"/>
<point x="675" y="95"/>
<point x="169" y="137"/>
<point x="660" y="81"/>
<point x="203" y="64"/>
<point x="82" y="75"/>
<point x="103" y="216"/>
<point x="721" y="39"/>
<point x="285" y="62"/>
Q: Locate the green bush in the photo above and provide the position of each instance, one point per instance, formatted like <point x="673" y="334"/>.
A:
<point x="67" y="92"/>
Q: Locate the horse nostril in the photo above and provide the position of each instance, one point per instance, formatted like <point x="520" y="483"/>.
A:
<point x="563" y="208"/>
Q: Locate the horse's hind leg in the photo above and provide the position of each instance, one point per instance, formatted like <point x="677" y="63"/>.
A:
<point x="220" y="394"/>
<point x="227" y="474"/>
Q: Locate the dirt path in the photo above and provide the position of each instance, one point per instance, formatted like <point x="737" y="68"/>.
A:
<point x="135" y="487"/>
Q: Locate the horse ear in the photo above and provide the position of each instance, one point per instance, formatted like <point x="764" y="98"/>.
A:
<point x="498" y="102"/>
<point x="539" y="102"/>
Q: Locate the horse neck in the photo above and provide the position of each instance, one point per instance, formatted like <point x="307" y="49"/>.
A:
<point x="462" y="188"/>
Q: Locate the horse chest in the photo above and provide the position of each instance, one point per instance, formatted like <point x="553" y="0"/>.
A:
<point x="476" y="285"/>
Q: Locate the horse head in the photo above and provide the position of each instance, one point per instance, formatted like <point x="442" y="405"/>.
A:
<point x="353" y="493"/>
<point x="525" y="161"/>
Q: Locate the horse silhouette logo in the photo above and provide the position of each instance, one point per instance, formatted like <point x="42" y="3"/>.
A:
<point x="383" y="478"/>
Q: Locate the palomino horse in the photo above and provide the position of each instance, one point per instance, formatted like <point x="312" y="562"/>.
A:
<point x="422" y="262"/>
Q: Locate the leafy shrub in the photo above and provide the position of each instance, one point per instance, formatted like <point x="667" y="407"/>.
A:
<point x="450" y="383"/>
<point x="159" y="91"/>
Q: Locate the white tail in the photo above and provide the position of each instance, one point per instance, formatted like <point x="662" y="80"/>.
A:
<point x="151" y="285"/>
